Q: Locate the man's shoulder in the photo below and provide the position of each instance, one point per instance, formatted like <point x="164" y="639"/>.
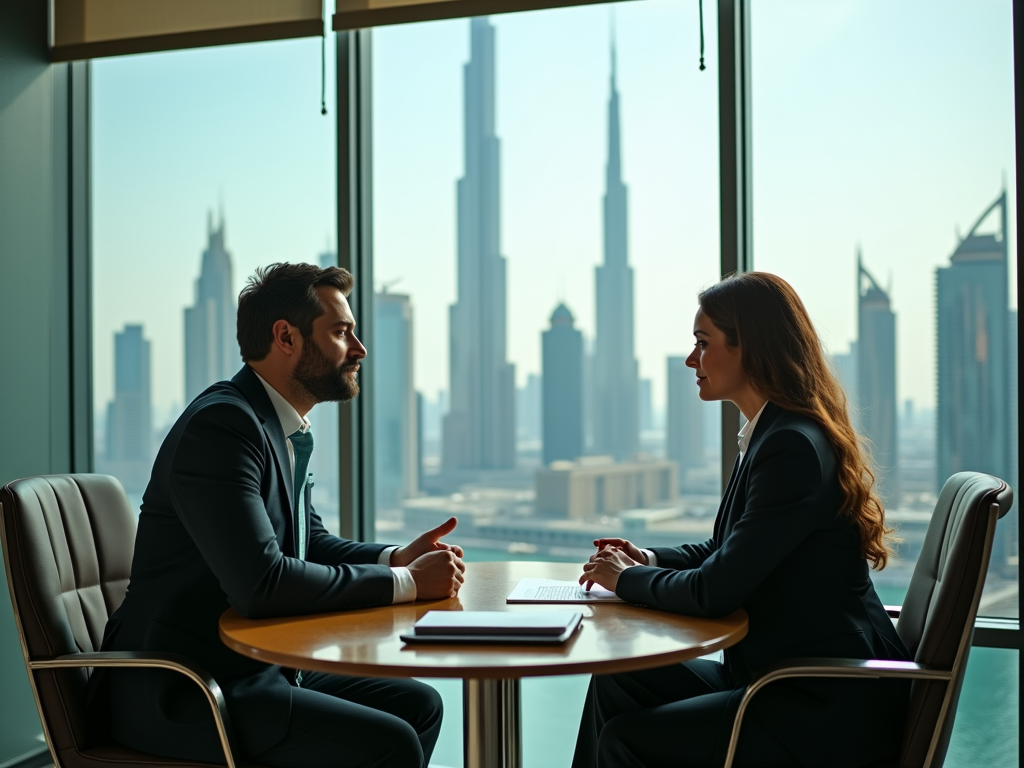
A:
<point x="221" y="392"/>
<point x="222" y="402"/>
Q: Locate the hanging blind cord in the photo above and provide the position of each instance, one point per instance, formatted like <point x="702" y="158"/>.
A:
<point x="700" y="7"/>
<point x="323" y="74"/>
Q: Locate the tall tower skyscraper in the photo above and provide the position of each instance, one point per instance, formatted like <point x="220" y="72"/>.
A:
<point x="211" y="347"/>
<point x="876" y="379"/>
<point x="129" y="415"/>
<point x="394" y="400"/>
<point x="975" y="408"/>
<point x="479" y="428"/>
<point x="562" y="381"/>
<point x="684" y="434"/>
<point x="616" y="373"/>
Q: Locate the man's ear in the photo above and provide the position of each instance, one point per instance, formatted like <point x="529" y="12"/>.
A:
<point x="286" y="337"/>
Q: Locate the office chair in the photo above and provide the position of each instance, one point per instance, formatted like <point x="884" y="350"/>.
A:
<point x="67" y="547"/>
<point x="936" y="622"/>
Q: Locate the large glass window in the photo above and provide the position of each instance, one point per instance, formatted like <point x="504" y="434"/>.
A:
<point x="546" y="209"/>
<point x="884" y="192"/>
<point x="206" y="165"/>
<point x="545" y="212"/>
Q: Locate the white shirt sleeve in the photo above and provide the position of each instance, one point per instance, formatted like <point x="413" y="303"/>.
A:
<point x="652" y="559"/>
<point x="405" y="584"/>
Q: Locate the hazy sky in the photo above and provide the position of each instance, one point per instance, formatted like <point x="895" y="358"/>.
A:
<point x="887" y="124"/>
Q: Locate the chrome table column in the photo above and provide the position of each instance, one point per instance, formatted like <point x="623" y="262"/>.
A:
<point x="491" y="710"/>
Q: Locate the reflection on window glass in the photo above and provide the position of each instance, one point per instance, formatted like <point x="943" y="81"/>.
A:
<point x="546" y="210"/>
<point x="206" y="165"/>
<point x="884" y="192"/>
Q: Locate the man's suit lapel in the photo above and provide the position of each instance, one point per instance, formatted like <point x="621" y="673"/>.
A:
<point x="252" y="388"/>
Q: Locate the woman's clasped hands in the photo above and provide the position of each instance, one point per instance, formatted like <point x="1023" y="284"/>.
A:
<point x="613" y="556"/>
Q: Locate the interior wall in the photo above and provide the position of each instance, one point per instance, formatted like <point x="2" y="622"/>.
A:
<point x="34" y="378"/>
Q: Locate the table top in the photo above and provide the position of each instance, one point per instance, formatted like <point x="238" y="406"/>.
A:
<point x="615" y="637"/>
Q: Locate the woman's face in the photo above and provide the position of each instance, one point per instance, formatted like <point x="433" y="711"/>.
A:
<point x="719" y="369"/>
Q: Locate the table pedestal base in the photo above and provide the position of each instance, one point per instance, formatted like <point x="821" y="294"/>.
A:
<point x="490" y="721"/>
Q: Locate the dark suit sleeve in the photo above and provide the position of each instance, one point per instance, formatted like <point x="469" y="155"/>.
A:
<point x="685" y="556"/>
<point x="216" y="476"/>
<point x="328" y="549"/>
<point x="782" y="508"/>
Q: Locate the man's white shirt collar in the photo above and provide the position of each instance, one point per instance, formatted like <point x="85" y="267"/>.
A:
<point x="404" y="584"/>
<point x="747" y="431"/>
<point x="286" y="414"/>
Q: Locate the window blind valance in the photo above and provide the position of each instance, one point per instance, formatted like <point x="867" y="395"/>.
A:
<point x="356" y="14"/>
<point x="86" y="29"/>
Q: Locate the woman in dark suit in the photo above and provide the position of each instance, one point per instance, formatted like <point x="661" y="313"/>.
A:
<point x="796" y="530"/>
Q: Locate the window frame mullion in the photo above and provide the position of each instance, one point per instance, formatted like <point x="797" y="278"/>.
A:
<point x="355" y="253"/>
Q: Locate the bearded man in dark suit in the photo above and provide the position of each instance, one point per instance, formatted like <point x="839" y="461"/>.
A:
<point x="227" y="521"/>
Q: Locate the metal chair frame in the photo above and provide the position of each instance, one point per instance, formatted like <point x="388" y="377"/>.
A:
<point x="877" y="668"/>
<point x="117" y="659"/>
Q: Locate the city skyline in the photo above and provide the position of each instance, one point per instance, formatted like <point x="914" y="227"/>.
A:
<point x="214" y="109"/>
<point x="481" y="262"/>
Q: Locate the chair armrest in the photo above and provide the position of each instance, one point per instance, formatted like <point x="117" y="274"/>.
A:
<point x="894" y="611"/>
<point x="171" y="661"/>
<point x="825" y="667"/>
<point x="848" y="668"/>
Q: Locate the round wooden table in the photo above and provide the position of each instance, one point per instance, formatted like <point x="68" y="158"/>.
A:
<point x="615" y="638"/>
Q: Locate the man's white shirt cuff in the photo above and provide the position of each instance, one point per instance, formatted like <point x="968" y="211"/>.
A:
<point x="652" y="559"/>
<point x="405" y="584"/>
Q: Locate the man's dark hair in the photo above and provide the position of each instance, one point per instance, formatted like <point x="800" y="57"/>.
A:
<point x="283" y="292"/>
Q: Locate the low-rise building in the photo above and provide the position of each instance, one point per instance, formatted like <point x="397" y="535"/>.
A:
<point x="598" y="485"/>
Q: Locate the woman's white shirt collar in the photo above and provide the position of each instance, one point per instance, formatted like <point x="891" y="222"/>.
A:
<point x="747" y="431"/>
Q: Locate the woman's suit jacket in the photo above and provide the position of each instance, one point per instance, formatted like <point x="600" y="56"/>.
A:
<point x="781" y="551"/>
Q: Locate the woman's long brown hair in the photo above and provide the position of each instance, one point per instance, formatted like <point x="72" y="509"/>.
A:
<point x="784" y="360"/>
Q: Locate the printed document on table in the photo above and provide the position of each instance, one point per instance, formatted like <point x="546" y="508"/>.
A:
<point x="555" y="591"/>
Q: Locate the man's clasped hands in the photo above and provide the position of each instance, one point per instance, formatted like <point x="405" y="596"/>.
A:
<point x="436" y="567"/>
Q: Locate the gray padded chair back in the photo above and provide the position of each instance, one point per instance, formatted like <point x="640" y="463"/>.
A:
<point x="67" y="544"/>
<point x="937" y="619"/>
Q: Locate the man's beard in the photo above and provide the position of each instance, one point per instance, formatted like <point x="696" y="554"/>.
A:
<point x="324" y="380"/>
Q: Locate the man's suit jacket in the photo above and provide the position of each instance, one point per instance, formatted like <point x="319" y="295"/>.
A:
<point x="781" y="551"/>
<point x="217" y="530"/>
